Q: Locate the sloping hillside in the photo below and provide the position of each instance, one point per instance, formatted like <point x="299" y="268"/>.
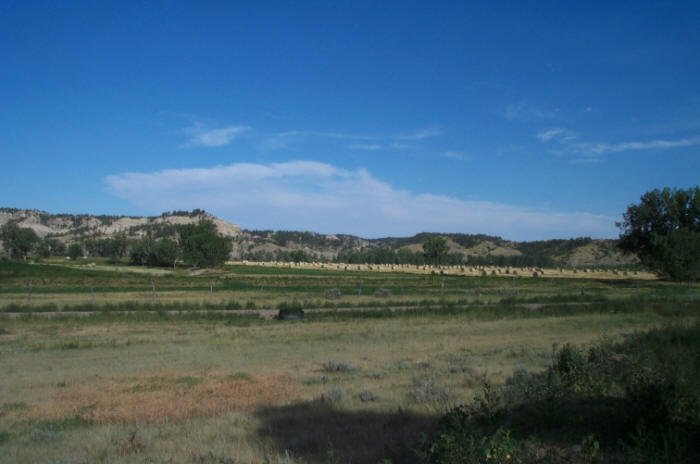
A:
<point x="70" y="227"/>
<point x="281" y="245"/>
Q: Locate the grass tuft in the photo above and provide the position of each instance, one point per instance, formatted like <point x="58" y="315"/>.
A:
<point x="335" y="367"/>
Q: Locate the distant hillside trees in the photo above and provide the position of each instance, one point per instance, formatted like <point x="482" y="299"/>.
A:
<point x="18" y="242"/>
<point x="435" y="250"/>
<point x="512" y="261"/>
<point x="75" y="251"/>
<point x="113" y="248"/>
<point x="543" y="252"/>
<point x="663" y="230"/>
<point x="194" y="213"/>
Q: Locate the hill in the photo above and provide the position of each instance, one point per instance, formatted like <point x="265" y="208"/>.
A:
<point x="281" y="245"/>
<point x="71" y="227"/>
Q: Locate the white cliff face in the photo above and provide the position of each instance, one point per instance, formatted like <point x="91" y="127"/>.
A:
<point x="68" y="225"/>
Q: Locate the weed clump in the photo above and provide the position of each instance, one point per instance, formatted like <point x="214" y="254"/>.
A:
<point x="382" y="293"/>
<point x="367" y="396"/>
<point x="333" y="294"/>
<point x="334" y="395"/>
<point x="425" y="391"/>
<point x="335" y="367"/>
<point x="130" y="445"/>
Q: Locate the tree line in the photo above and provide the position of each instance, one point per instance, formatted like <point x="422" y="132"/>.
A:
<point x="197" y="245"/>
<point x="663" y="231"/>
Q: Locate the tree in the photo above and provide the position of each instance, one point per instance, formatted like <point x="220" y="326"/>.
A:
<point x="75" y="251"/>
<point x="165" y="252"/>
<point x="113" y="248"/>
<point x="140" y="252"/>
<point x="663" y="230"/>
<point x="50" y="247"/>
<point x="679" y="251"/>
<point x="435" y="250"/>
<point x="18" y="241"/>
<point x="202" y="246"/>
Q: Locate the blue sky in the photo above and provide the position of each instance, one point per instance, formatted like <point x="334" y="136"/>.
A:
<point x="529" y="120"/>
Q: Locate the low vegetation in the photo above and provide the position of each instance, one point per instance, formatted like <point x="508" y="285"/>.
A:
<point x="384" y="366"/>
<point x="633" y="401"/>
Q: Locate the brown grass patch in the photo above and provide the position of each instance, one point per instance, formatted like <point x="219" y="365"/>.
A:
<point x="165" y="397"/>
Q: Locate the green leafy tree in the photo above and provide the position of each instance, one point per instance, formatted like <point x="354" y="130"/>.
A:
<point x="140" y="251"/>
<point x="18" y="241"/>
<point x="115" y="247"/>
<point x="202" y="246"/>
<point x="165" y="252"/>
<point x="75" y="251"/>
<point x="663" y="230"/>
<point x="50" y="247"/>
<point x="679" y="251"/>
<point x="435" y="250"/>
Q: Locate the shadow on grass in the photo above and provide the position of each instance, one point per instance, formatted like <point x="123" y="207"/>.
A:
<point x="318" y="432"/>
<point x="574" y="430"/>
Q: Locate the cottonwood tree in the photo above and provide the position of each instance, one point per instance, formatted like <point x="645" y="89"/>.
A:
<point x="202" y="246"/>
<point x="663" y="230"/>
<point x="50" y="247"/>
<point x="18" y="241"/>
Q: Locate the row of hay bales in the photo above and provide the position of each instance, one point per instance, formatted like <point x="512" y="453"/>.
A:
<point x="465" y="270"/>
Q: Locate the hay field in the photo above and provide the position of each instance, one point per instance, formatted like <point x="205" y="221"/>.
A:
<point x="335" y="387"/>
<point x="77" y="390"/>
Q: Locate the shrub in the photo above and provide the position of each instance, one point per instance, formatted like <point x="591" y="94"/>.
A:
<point x="290" y="311"/>
<point x="634" y="401"/>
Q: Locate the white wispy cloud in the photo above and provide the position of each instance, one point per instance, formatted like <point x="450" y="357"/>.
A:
<point x="419" y="134"/>
<point x="330" y="135"/>
<point x="456" y="155"/>
<point x="307" y="195"/>
<point x="605" y="148"/>
<point x="286" y="139"/>
<point x="367" y="146"/>
<point x="202" y="135"/>
<point x="525" y="111"/>
<point x="400" y="141"/>
<point x="557" y="133"/>
<point x="587" y="151"/>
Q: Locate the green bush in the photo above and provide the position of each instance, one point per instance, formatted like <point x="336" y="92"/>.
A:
<point x="634" y="401"/>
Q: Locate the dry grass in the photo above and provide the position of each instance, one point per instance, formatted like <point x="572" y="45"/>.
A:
<point x="162" y="397"/>
<point x="204" y="391"/>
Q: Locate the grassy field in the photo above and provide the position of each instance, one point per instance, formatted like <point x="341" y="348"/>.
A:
<point x="247" y="286"/>
<point x="358" y="386"/>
